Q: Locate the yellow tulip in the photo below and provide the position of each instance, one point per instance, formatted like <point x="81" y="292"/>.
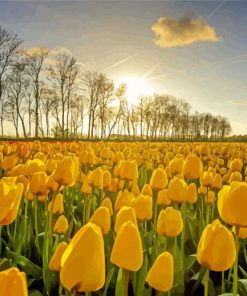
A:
<point x="143" y="206"/>
<point x="170" y="222"/>
<point x="34" y="166"/>
<point x="124" y="198"/>
<point x="147" y="190"/>
<point x="163" y="198"/>
<point x="235" y="176"/>
<point x="55" y="262"/>
<point x="13" y="282"/>
<point x="191" y="193"/>
<point x="177" y="190"/>
<point x="232" y="204"/>
<point x="10" y="194"/>
<point x="38" y="184"/>
<point x="125" y="214"/>
<point x="107" y="203"/>
<point x="66" y="171"/>
<point x="210" y="197"/>
<point x="236" y="165"/>
<point x="83" y="262"/>
<point x="159" y="179"/>
<point x="57" y="205"/>
<point x="129" y="170"/>
<point x="217" y="182"/>
<point x="161" y="274"/>
<point x="192" y="167"/>
<point x="216" y="249"/>
<point x="9" y="162"/>
<point x="61" y="225"/>
<point x="206" y="178"/>
<point x="127" y="250"/>
<point x="102" y="218"/>
<point x="176" y="165"/>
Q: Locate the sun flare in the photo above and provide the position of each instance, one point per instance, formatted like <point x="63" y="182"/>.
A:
<point x="135" y="87"/>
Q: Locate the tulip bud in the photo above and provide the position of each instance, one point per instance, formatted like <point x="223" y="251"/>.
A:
<point x="38" y="184"/>
<point x="125" y="214"/>
<point x="159" y="179"/>
<point x="124" y="198"/>
<point x="107" y="203"/>
<point x="163" y="198"/>
<point x="216" y="249"/>
<point x="177" y="190"/>
<point x="87" y="247"/>
<point x="170" y="222"/>
<point x="217" y="182"/>
<point x="143" y="206"/>
<point x="191" y="193"/>
<point x="160" y="276"/>
<point x="61" y="225"/>
<point x="13" y="282"/>
<point x="127" y="250"/>
<point x="102" y="218"/>
<point x="147" y="190"/>
<point x="66" y="171"/>
<point x="56" y="206"/>
<point x="55" y="262"/>
<point x="192" y="167"/>
<point x="232" y="204"/>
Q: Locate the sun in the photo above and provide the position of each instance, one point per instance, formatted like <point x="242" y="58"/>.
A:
<point x="135" y="87"/>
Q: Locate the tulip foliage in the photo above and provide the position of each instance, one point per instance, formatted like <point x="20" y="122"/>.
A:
<point x="123" y="218"/>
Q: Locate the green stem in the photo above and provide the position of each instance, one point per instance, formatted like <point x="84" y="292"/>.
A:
<point x="155" y="195"/>
<point x="50" y="222"/>
<point x="223" y="282"/>
<point x="125" y="282"/>
<point x="206" y="279"/>
<point x="25" y="219"/>
<point x="36" y="222"/>
<point x="235" y="271"/>
<point x="184" y="209"/>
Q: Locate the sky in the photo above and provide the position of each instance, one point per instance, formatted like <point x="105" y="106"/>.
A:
<point x="193" y="50"/>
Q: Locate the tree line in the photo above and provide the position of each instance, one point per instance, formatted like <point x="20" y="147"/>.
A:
<point x="44" y="96"/>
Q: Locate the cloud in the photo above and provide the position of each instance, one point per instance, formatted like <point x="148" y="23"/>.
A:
<point x="61" y="50"/>
<point x="32" y="51"/>
<point x="184" y="31"/>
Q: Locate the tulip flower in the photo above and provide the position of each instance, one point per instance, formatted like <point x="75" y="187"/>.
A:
<point x="127" y="250"/>
<point x="216" y="249"/>
<point x="55" y="262"/>
<point x="232" y="204"/>
<point x="38" y="184"/>
<point x="66" y="171"/>
<point x="192" y="167"/>
<point x="159" y="179"/>
<point x="61" y="225"/>
<point x="217" y="182"/>
<point x="191" y="193"/>
<point x="147" y="190"/>
<point x="160" y="276"/>
<point x="10" y="194"/>
<point x="34" y="166"/>
<point x="124" y="198"/>
<point x="143" y="206"/>
<point x="163" y="198"/>
<point x="102" y="218"/>
<point x="125" y="214"/>
<point x="107" y="203"/>
<point x="177" y="190"/>
<point x="83" y="262"/>
<point x="13" y="282"/>
<point x="129" y="170"/>
<point x="170" y="222"/>
<point x="56" y="206"/>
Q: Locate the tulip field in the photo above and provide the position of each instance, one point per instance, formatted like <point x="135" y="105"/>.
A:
<point x="123" y="218"/>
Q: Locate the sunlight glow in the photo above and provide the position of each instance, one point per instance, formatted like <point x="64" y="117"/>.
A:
<point x="135" y="87"/>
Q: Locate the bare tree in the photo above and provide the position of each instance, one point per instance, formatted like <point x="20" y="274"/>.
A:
<point x="35" y="61"/>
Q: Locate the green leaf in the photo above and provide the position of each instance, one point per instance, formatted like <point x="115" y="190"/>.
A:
<point x="189" y="262"/>
<point x="28" y="266"/>
<point x="34" y="293"/>
<point x="50" y="279"/>
<point x="108" y="280"/>
<point x="142" y="277"/>
<point x="119" y="283"/>
<point x="243" y="286"/>
<point x="5" y="264"/>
